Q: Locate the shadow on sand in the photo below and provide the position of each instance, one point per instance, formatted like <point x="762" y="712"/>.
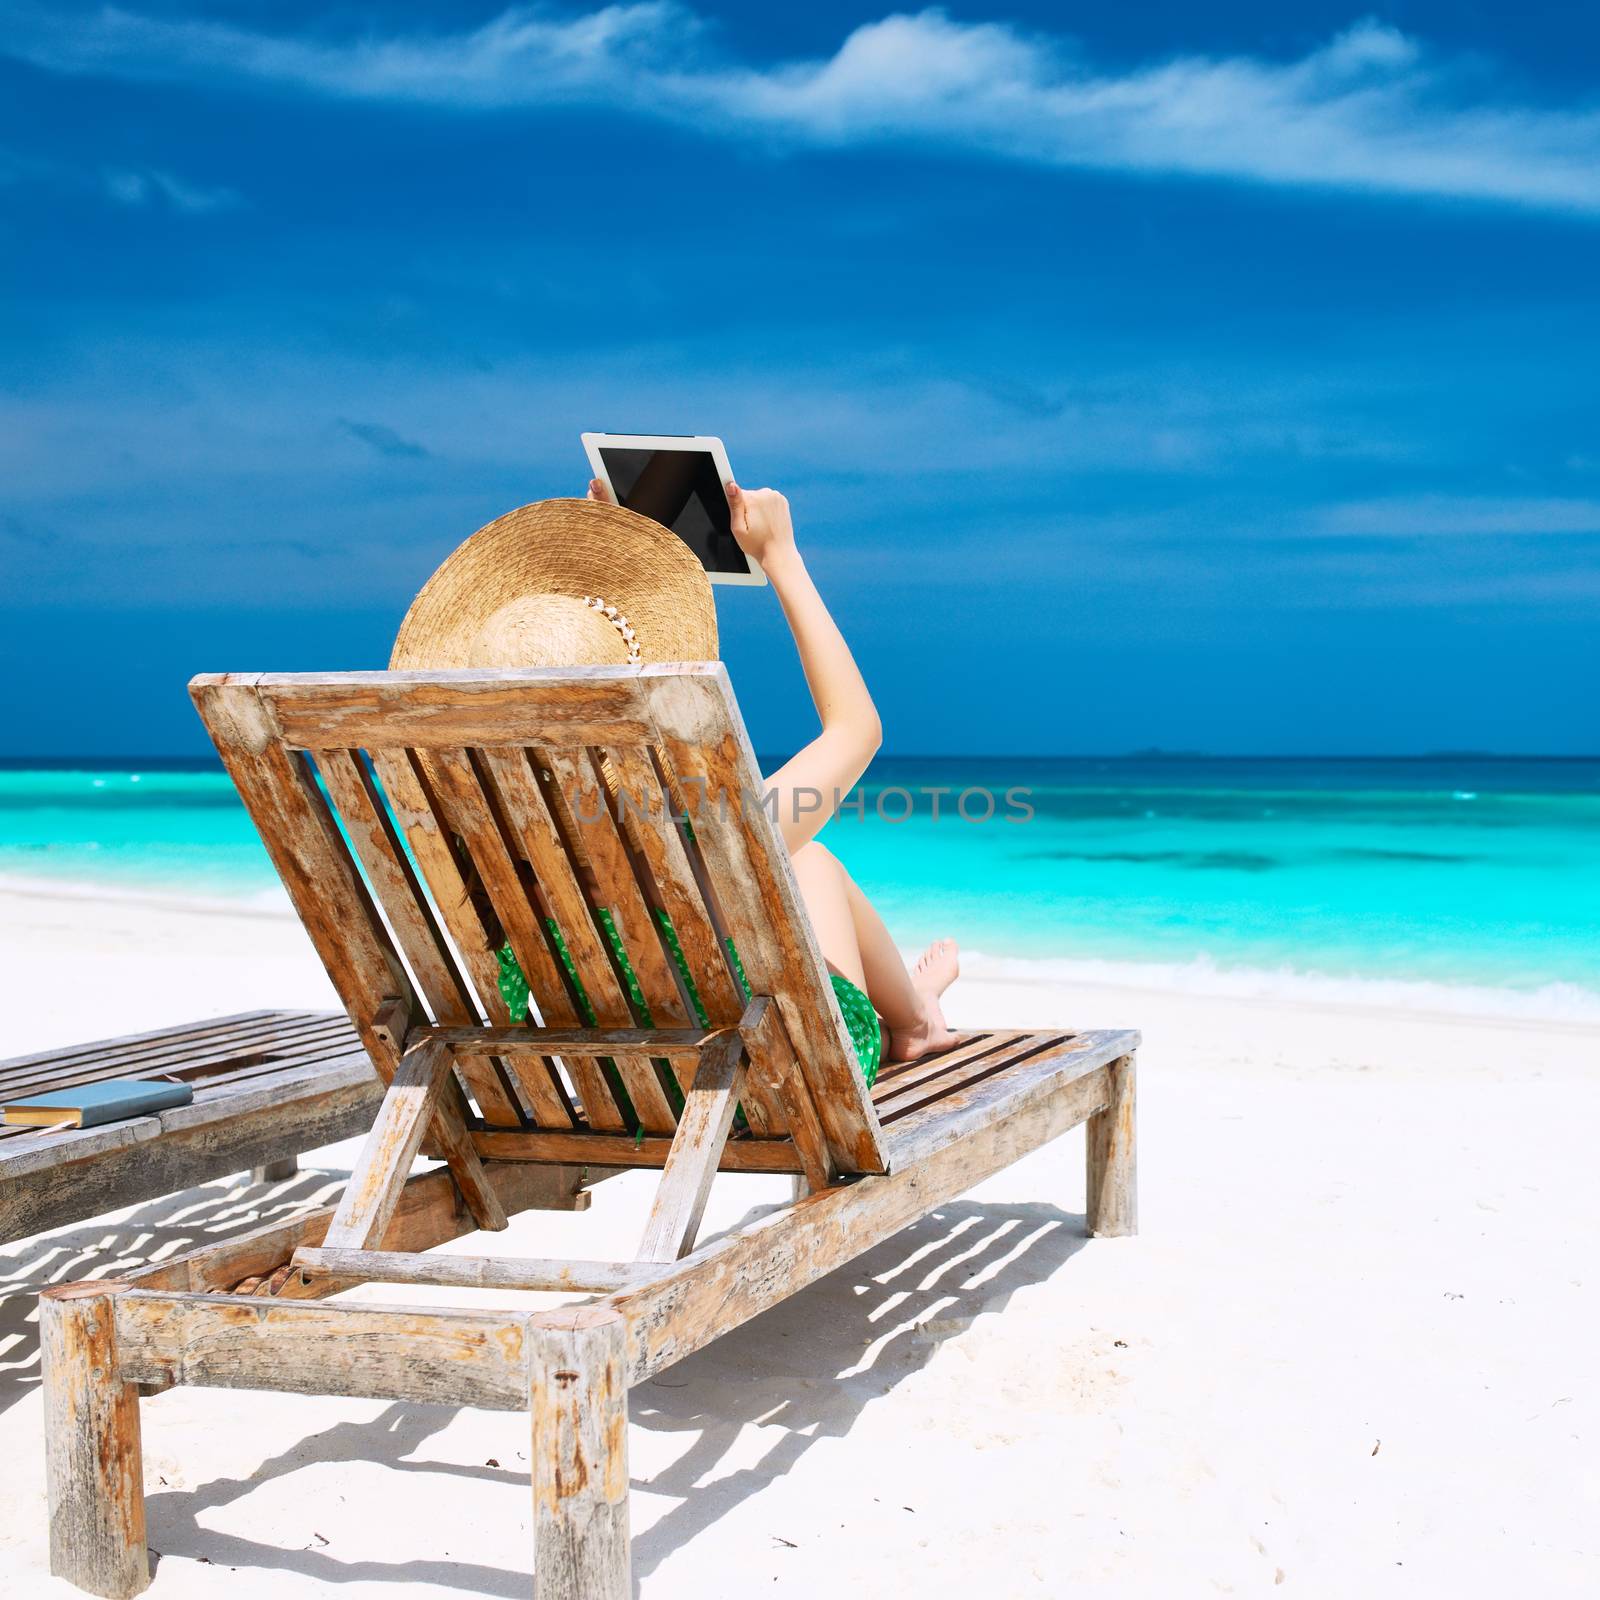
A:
<point x="169" y="1227"/>
<point x="808" y="1367"/>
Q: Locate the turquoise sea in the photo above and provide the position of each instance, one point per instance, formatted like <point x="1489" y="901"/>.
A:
<point x="1234" y="875"/>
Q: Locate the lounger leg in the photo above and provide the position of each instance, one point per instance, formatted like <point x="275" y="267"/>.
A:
<point x="93" y="1461"/>
<point x="578" y="1377"/>
<point x="1113" y="1188"/>
<point x="276" y="1171"/>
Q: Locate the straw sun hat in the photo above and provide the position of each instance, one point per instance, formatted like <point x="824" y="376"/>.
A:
<point x="562" y="583"/>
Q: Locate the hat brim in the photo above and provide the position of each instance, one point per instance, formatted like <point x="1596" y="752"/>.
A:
<point x="575" y="548"/>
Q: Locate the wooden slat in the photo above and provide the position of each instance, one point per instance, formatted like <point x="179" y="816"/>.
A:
<point x="427" y="833"/>
<point x="309" y="852"/>
<point x="397" y="891"/>
<point x="476" y="1272"/>
<point x="250" y="1024"/>
<point x="430" y="1212"/>
<point x="522" y="803"/>
<point x="958" y="1080"/>
<point x="66" y="1177"/>
<point x="329" y="1035"/>
<point x="523" y="806"/>
<point x="469" y="814"/>
<point x="516" y="1041"/>
<point x="384" y="1164"/>
<point x="471" y="1358"/>
<point x="916" y="1137"/>
<point x="657" y="848"/>
<point x="705" y="743"/>
<point x="576" y="790"/>
<point x="306" y="847"/>
<point x="392" y="710"/>
<point x="773" y="1063"/>
<point x="966" y="1044"/>
<point x="697" y="1147"/>
<point x="172" y="1035"/>
<point x="961" y="1068"/>
<point x="736" y="1277"/>
<point x="643" y="815"/>
<point x="625" y="1150"/>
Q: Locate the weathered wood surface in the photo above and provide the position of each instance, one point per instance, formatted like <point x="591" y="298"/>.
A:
<point x="201" y="1055"/>
<point x="735" y="1278"/>
<point x="476" y="1272"/>
<point x="430" y="1212"/>
<point x="396" y="887"/>
<point x="774" y="1065"/>
<point x="569" y="707"/>
<point x="124" y="1046"/>
<point x="627" y="1150"/>
<point x="270" y="1119"/>
<point x="578" y="1399"/>
<point x="523" y="805"/>
<point x="453" y="1357"/>
<point x="967" y="1111"/>
<point x="642" y="811"/>
<point x="470" y="814"/>
<point x="306" y="847"/>
<point x="646" y="816"/>
<point x="697" y="1146"/>
<point x="940" y="1083"/>
<point x="1112" y="1173"/>
<point x="517" y="1040"/>
<point x="575" y="790"/>
<point x="381" y="1170"/>
<point x="704" y="739"/>
<point x="94" y="1465"/>
<point x="416" y="809"/>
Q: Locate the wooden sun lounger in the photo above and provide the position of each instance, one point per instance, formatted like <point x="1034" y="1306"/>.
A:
<point x="455" y="812"/>
<point x="267" y="1085"/>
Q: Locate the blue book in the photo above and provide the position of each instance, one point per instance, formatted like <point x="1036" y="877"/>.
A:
<point x="113" y="1100"/>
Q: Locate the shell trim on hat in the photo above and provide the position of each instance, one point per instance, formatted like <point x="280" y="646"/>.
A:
<point x="620" y="622"/>
<point x="636" y="592"/>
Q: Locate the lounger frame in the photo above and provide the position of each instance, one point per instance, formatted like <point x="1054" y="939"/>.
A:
<point x="268" y="1085"/>
<point x="440" y="827"/>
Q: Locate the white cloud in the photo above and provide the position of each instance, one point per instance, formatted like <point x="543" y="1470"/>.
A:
<point x="1372" y="110"/>
<point x="152" y="187"/>
<point x="125" y="186"/>
<point x="1454" y="516"/>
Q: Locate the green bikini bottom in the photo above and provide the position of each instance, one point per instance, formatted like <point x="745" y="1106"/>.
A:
<point x="866" y="1033"/>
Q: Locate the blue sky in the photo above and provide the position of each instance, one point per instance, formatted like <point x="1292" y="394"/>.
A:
<point x="1206" y="377"/>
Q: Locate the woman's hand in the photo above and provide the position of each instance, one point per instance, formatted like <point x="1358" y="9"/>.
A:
<point x="761" y="523"/>
<point x="598" y="491"/>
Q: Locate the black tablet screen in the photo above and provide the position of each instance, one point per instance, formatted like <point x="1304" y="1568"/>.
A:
<point x="680" y="489"/>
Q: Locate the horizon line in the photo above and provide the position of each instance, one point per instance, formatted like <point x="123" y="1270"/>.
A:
<point x="46" y="762"/>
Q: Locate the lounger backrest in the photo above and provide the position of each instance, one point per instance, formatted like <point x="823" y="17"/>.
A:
<point x="541" y="811"/>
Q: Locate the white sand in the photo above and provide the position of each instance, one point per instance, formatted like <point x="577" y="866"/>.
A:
<point x="1353" y="1351"/>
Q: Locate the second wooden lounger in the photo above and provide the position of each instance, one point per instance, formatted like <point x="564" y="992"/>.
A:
<point x="267" y="1086"/>
<point x="424" y="824"/>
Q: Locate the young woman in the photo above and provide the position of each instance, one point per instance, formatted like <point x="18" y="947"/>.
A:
<point x="854" y="941"/>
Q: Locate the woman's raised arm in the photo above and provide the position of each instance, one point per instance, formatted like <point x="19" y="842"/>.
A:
<point x="809" y="785"/>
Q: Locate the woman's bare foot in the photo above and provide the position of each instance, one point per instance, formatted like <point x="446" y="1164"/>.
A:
<point x="937" y="968"/>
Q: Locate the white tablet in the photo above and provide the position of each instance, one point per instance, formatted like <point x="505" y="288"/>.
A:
<point x="677" y="481"/>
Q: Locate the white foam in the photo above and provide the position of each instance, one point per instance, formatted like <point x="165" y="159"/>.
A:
<point x="1550" y="1002"/>
<point x="266" y="902"/>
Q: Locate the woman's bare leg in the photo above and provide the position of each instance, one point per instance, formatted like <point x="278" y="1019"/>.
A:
<point x="857" y="945"/>
<point x="825" y="890"/>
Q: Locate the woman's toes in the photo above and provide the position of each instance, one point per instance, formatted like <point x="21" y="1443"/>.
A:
<point x="938" y="966"/>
